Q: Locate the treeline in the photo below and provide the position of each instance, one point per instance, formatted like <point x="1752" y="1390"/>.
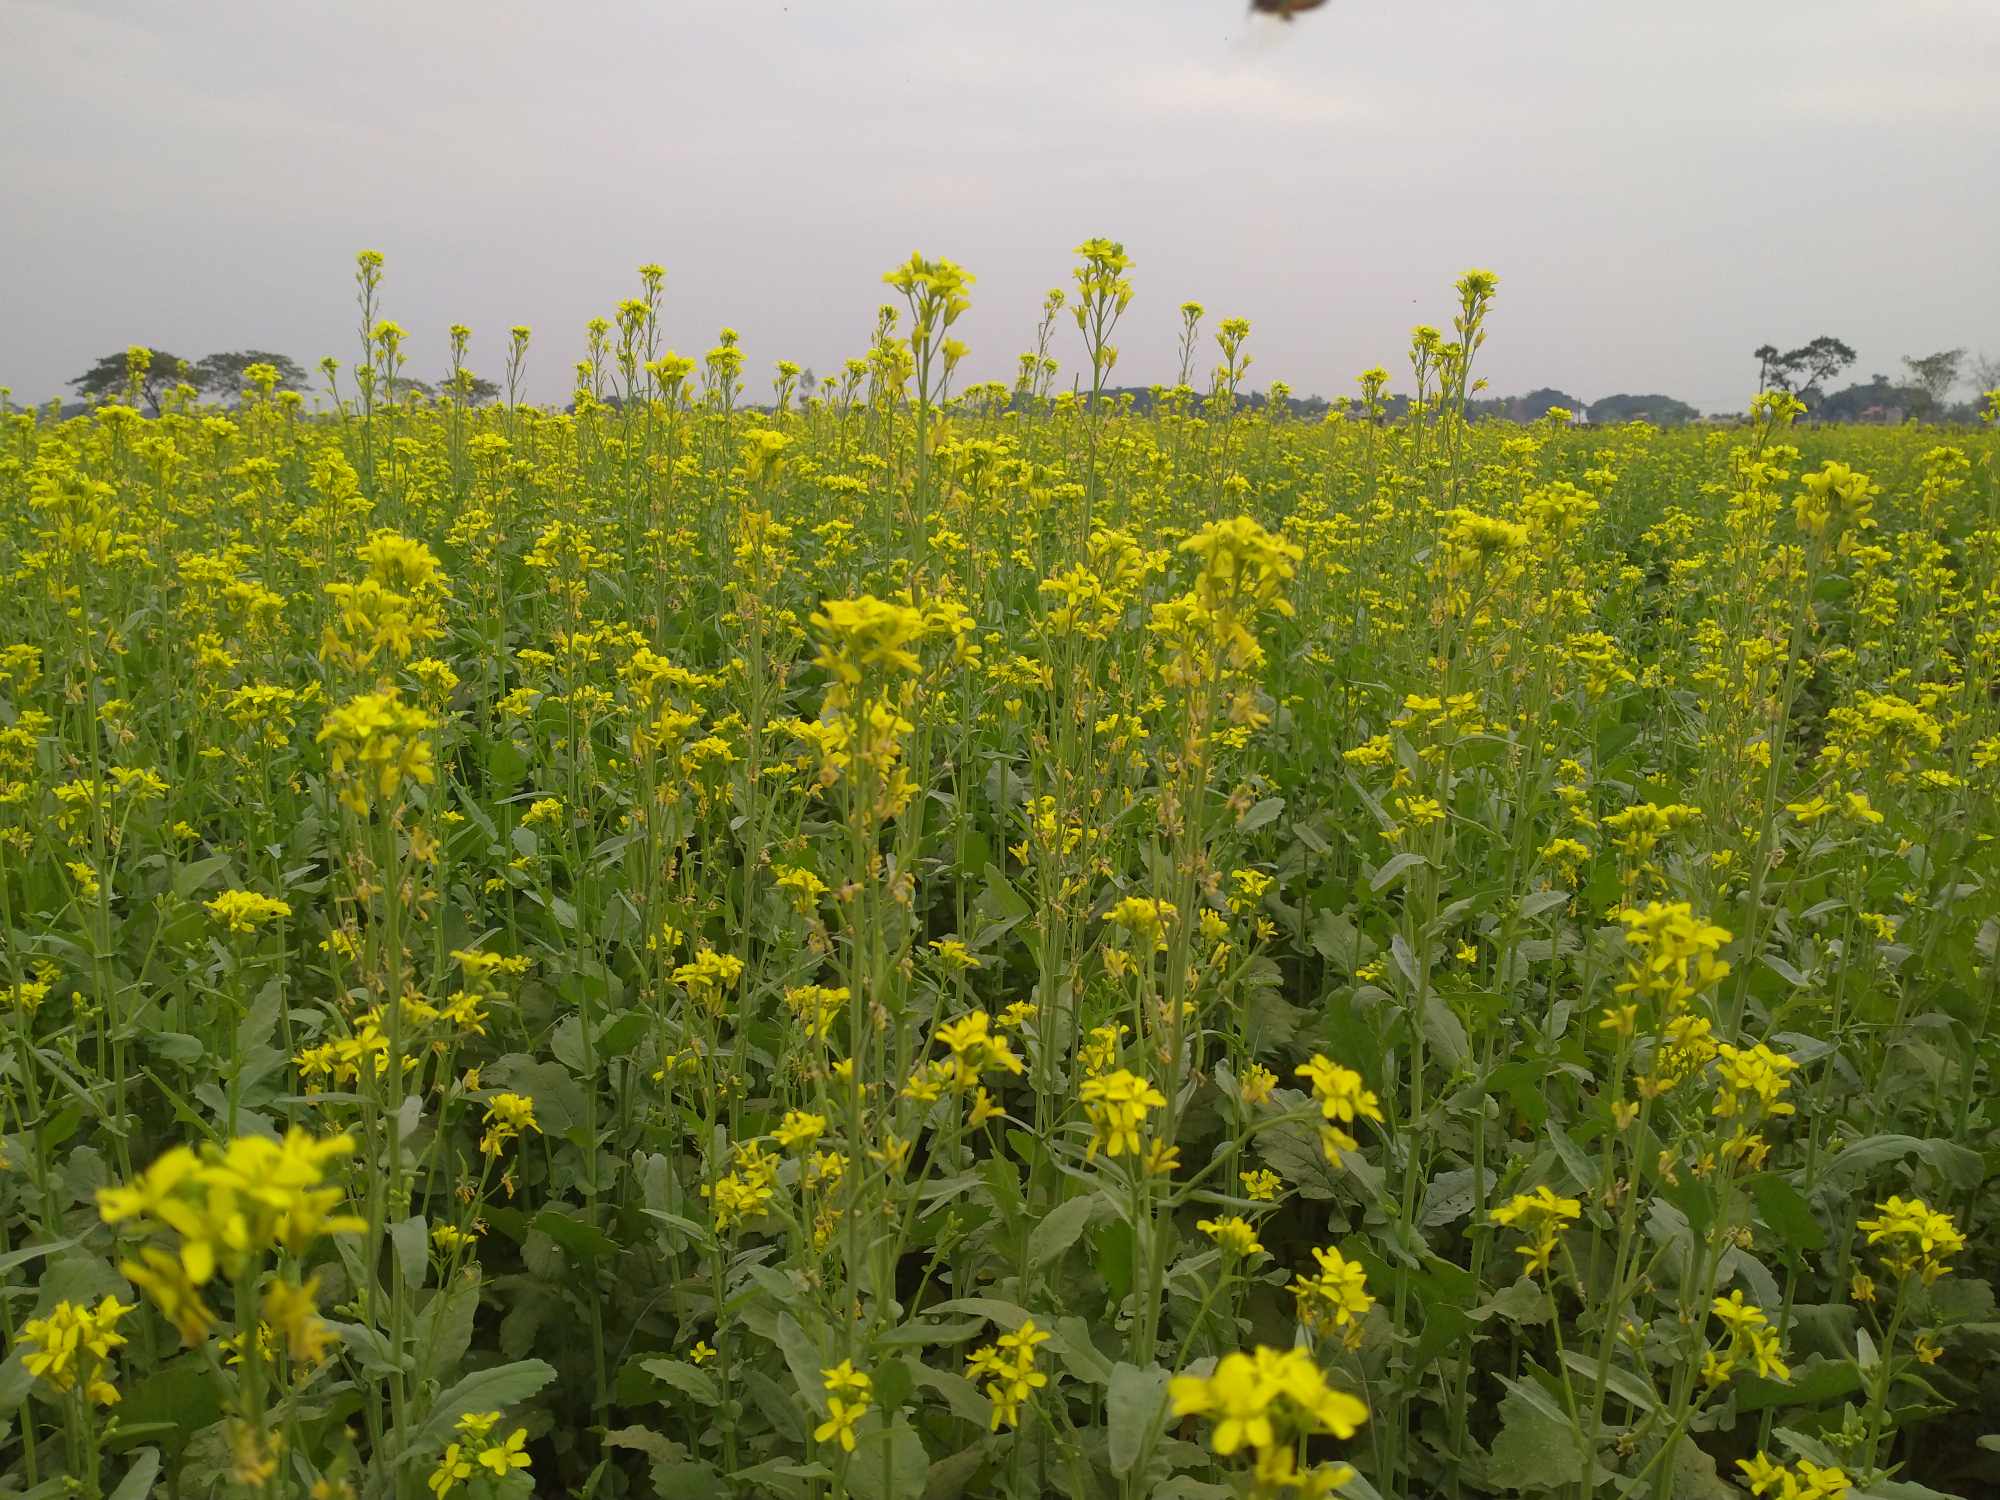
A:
<point x="1804" y="372"/>
<point x="150" y="375"/>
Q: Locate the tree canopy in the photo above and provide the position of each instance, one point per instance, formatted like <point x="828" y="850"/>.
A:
<point x="1879" y="396"/>
<point x="1935" y="374"/>
<point x="226" y="375"/>
<point x="153" y="372"/>
<point x="1804" y="370"/>
<point x="1661" y="411"/>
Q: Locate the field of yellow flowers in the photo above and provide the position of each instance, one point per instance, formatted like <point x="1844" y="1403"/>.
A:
<point x="892" y="942"/>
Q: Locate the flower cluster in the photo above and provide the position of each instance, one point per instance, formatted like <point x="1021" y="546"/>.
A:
<point x="1116" y="1105"/>
<point x="472" y="1455"/>
<point x="1675" y="953"/>
<point x="1343" y="1099"/>
<point x="507" y="1115"/>
<point x="246" y="911"/>
<point x="1267" y="1401"/>
<point x="1007" y="1369"/>
<point x="377" y="743"/>
<point x="1913" y="1238"/>
<point x="1543" y="1217"/>
<point x="226" y="1206"/>
<point x="1750" y="1338"/>
<point x="71" y="1347"/>
<point x="1804" y="1480"/>
<point x="847" y="1402"/>
<point x="1334" y="1299"/>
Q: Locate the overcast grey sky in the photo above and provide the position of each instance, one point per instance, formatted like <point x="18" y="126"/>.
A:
<point x="1661" y="186"/>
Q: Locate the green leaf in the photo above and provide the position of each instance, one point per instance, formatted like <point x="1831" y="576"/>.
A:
<point x="1961" y="1299"/>
<point x="694" y="1479"/>
<point x="566" y="1044"/>
<point x="1866" y="1355"/>
<point x="1695" y="1477"/>
<point x="1071" y="1341"/>
<point x="960" y="1394"/>
<point x="77" y="1277"/>
<point x="138" y="1481"/>
<point x="1445" y="1327"/>
<point x="1783" y="970"/>
<point x="483" y="1390"/>
<point x="802" y="1358"/>
<point x="1009" y="1315"/>
<point x="411" y="1238"/>
<point x="1293" y="1151"/>
<point x="950" y="1475"/>
<point x="779" y="1477"/>
<point x="1187" y="1487"/>
<point x="1000" y="894"/>
<point x="1394" y="869"/>
<point x="581" y="1240"/>
<point x="1957" y="1165"/>
<point x="1535" y="904"/>
<point x="622" y="1034"/>
<point x="1536" y="1449"/>
<point x="889" y="1464"/>
<point x="1134" y="1406"/>
<point x="198" y="874"/>
<point x="1260" y="814"/>
<point x="921" y="1331"/>
<point x="1818" y="1382"/>
<point x="662" y="1453"/>
<point x="129" y="1435"/>
<point x="685" y="1378"/>
<point x="1446" y="1034"/>
<point x="182" y="1391"/>
<point x="696" y="1232"/>
<point x="1521" y="1302"/>
<point x="370" y="1349"/>
<point x="1785" y="1210"/>
<point x="15" y="1381"/>
<point x="1061" y="1228"/>
<point x="792" y="1421"/>
<point x="444" y="1328"/>
<point x="894" y="1385"/>
<point x="1451" y="1197"/>
<point x="505" y="765"/>
<point x="1335" y="938"/>
<point x="1626" y="1383"/>
<point x="206" y="1459"/>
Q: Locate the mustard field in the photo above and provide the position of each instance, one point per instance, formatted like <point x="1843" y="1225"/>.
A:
<point x="892" y="938"/>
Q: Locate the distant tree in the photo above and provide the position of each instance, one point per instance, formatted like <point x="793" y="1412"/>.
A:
<point x="1879" y="399"/>
<point x="1538" y="404"/>
<point x="222" y="375"/>
<point x="1803" y="370"/>
<point x="1935" y="374"/>
<point x="1819" y="361"/>
<point x="112" y="376"/>
<point x="1661" y="411"/>
<point x="1529" y="408"/>
<point x="473" y="390"/>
